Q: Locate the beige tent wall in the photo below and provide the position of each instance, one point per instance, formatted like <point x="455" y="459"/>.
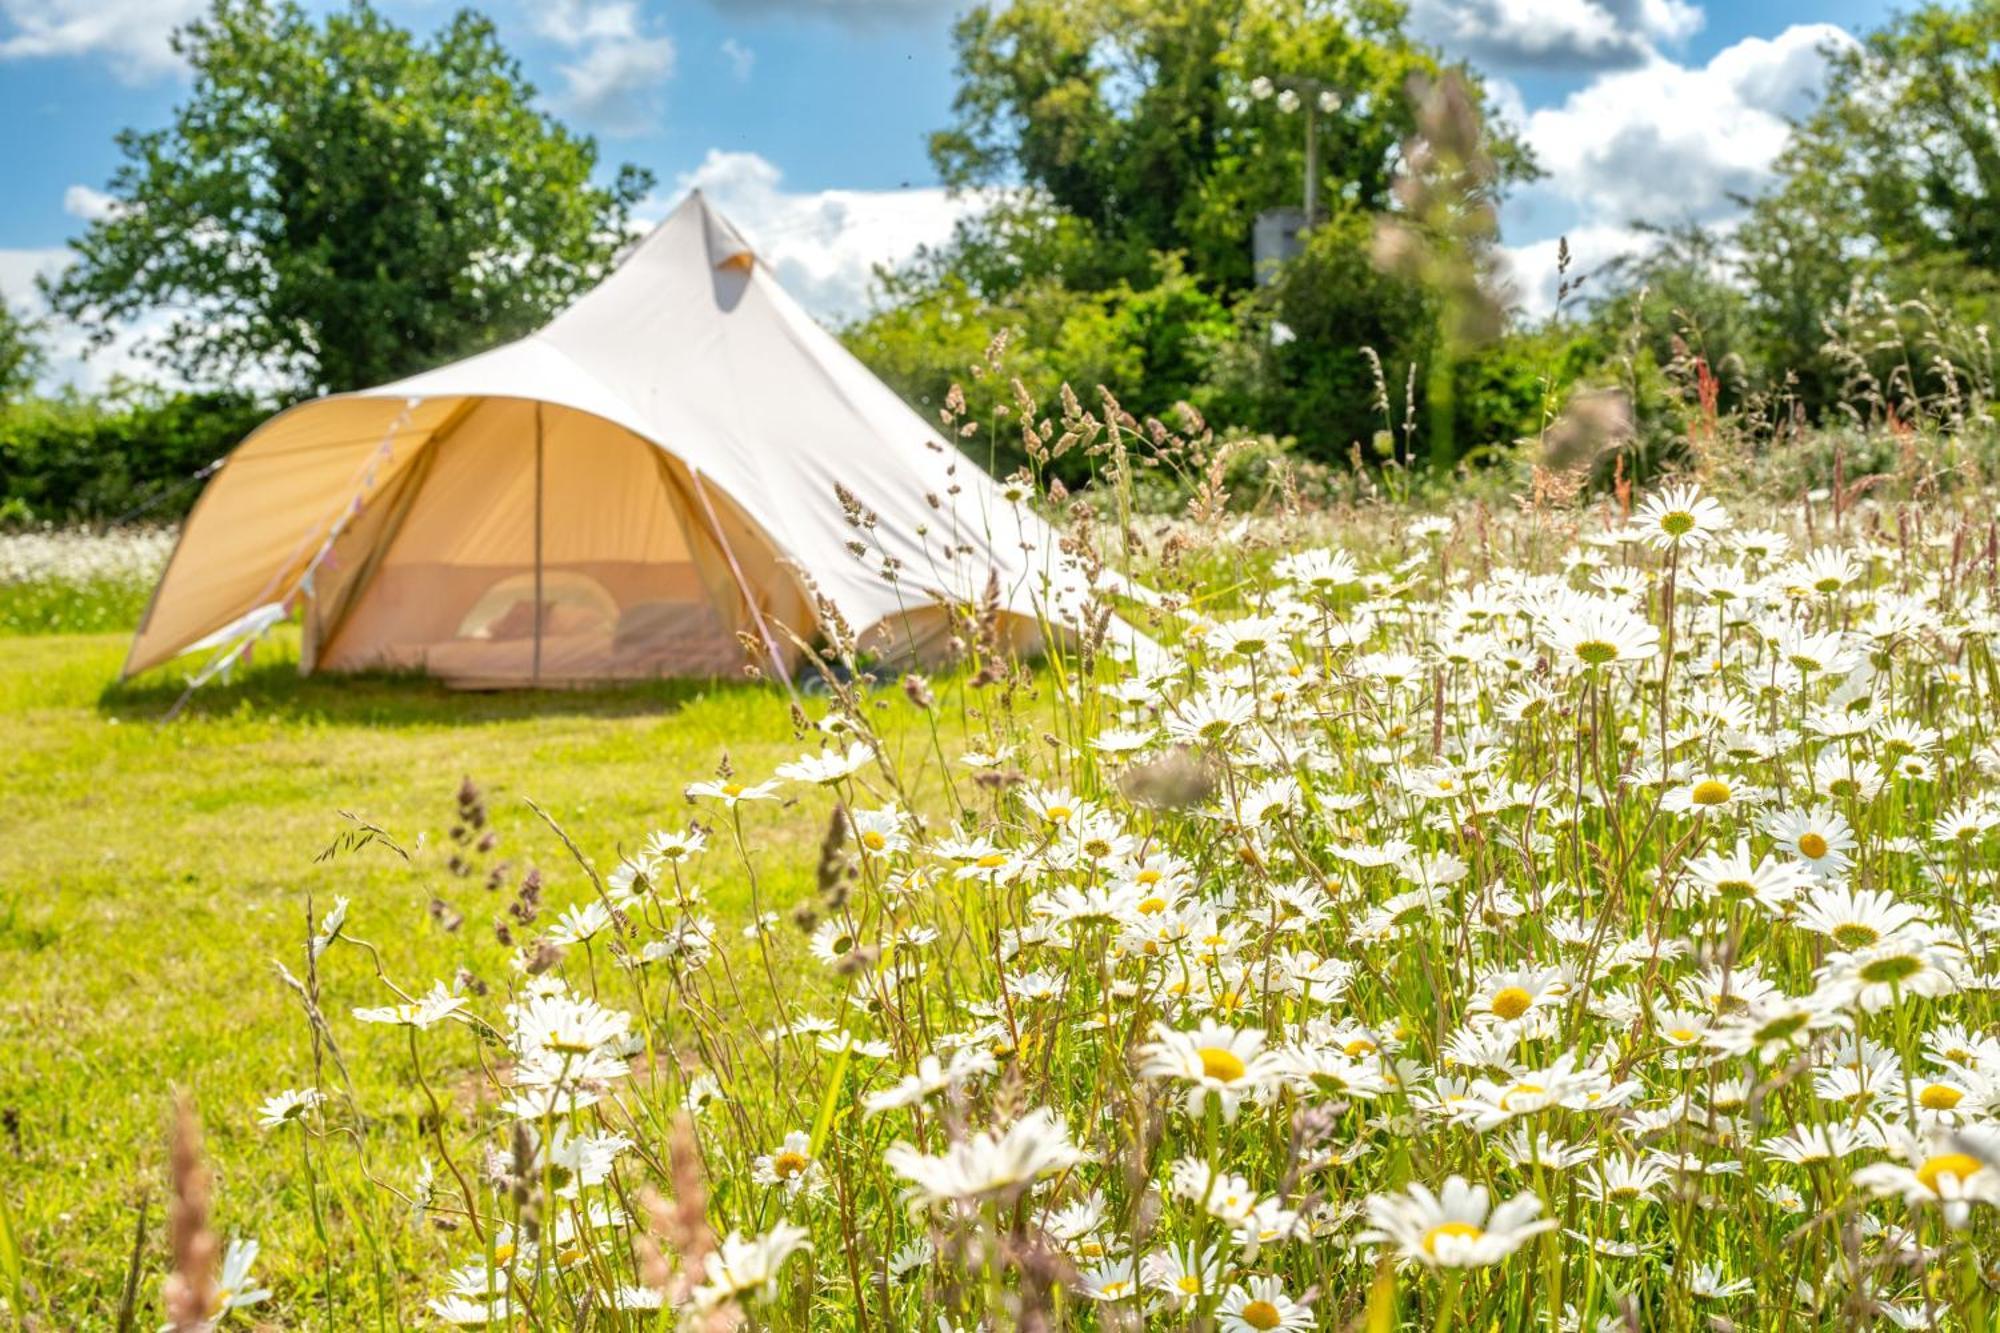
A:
<point x="264" y="516"/>
<point x="633" y="583"/>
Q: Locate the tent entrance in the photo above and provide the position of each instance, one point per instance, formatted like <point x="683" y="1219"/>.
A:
<point x="536" y="544"/>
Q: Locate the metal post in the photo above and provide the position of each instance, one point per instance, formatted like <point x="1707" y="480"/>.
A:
<point x="537" y="669"/>
<point x="1312" y="163"/>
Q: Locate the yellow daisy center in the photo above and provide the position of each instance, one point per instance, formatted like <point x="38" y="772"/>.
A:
<point x="1058" y="813"/>
<point x="1465" y="1229"/>
<point x="1891" y="970"/>
<point x="1221" y="1064"/>
<point x="1855" y="935"/>
<point x="992" y="861"/>
<point x="732" y="789"/>
<point x="786" y="1165"/>
<point x="1812" y="845"/>
<point x="873" y="841"/>
<point x="1940" y="1097"/>
<point x="1932" y="1173"/>
<point x="1710" y="791"/>
<point x="1260" y="1314"/>
<point x="1190" y="1284"/>
<point x="1511" y="1002"/>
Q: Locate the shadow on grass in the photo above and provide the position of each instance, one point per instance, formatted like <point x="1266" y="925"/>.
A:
<point x="387" y="699"/>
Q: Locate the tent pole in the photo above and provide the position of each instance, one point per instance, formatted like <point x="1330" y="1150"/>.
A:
<point x="743" y="585"/>
<point x="537" y="668"/>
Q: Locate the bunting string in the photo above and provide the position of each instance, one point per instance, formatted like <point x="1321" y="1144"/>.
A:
<point x="235" y="642"/>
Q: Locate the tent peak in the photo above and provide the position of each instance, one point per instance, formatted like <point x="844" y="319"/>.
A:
<point x="726" y="248"/>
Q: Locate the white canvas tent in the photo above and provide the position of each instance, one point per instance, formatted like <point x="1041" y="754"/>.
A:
<point x="619" y="495"/>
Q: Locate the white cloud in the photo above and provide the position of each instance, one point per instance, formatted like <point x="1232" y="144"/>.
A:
<point x="1668" y="143"/>
<point x="130" y="34"/>
<point x="1555" y="34"/>
<point x="823" y="245"/>
<point x="1663" y="144"/>
<point x="64" y="344"/>
<point x="80" y="201"/>
<point x="740" y="58"/>
<point x="614" y="83"/>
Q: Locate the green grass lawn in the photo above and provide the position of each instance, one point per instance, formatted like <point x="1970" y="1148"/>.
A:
<point x="151" y="875"/>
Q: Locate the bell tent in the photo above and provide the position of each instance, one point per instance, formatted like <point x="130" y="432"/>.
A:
<point x="636" y="490"/>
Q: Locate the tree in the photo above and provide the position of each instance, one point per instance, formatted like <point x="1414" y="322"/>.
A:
<point x="20" y="353"/>
<point x="1678" y="302"/>
<point x="1130" y="146"/>
<point x="1135" y="119"/>
<point x="1321" y="334"/>
<point x="1892" y="185"/>
<point x="340" y="203"/>
<point x="1159" y="341"/>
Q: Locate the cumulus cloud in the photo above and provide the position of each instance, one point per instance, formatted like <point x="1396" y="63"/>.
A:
<point x="1663" y="143"/>
<point x="130" y="34"/>
<point x="822" y="244"/>
<point x="1552" y="35"/>
<point x="1667" y="142"/>
<point x="613" y="80"/>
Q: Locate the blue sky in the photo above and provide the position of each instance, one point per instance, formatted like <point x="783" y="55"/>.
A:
<point x="806" y="119"/>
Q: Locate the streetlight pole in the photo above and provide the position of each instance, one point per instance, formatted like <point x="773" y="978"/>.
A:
<point x="1314" y="96"/>
<point x="1312" y="165"/>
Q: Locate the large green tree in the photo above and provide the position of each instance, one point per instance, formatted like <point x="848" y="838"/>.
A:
<point x="1137" y="121"/>
<point x="340" y="202"/>
<point x="1891" y="185"/>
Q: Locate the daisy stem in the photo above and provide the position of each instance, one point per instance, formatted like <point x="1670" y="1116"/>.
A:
<point x="1448" y="1280"/>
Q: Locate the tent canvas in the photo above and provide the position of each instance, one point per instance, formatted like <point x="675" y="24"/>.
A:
<point x="638" y="489"/>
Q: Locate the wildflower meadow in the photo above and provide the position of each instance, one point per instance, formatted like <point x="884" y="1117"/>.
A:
<point x="1558" y="912"/>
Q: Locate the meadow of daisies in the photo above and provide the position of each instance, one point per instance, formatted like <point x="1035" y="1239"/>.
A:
<point x="1561" y="913"/>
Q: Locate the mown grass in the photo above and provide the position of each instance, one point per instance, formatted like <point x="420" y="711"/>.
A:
<point x="150" y="875"/>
